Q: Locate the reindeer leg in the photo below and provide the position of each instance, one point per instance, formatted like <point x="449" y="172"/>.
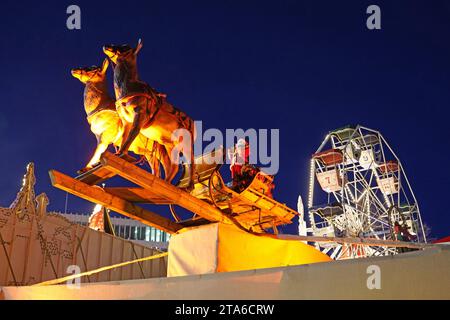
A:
<point x="173" y="171"/>
<point x="170" y="169"/>
<point x="150" y="162"/>
<point x="158" y="154"/>
<point x="101" y="147"/>
<point x="154" y="165"/>
<point x="162" y="159"/>
<point x="153" y="159"/>
<point x="133" y="130"/>
<point x="126" y="132"/>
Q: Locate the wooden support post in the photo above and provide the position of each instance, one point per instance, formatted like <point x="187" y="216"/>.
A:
<point x="97" y="195"/>
<point x="161" y="188"/>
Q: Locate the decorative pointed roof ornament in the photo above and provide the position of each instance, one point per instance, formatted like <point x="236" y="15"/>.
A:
<point x="42" y="203"/>
<point x="25" y="203"/>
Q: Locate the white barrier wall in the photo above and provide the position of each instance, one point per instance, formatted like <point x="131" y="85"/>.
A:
<point x="416" y="275"/>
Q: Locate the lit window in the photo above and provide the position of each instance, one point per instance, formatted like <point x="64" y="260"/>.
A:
<point x="147" y="234"/>
<point x="153" y="237"/>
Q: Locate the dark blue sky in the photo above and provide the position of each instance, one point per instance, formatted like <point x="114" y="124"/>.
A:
<point x="305" y="67"/>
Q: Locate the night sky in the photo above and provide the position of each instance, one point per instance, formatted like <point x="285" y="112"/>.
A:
<point x="305" y="67"/>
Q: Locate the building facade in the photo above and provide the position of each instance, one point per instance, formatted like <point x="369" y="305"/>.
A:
<point x="129" y="229"/>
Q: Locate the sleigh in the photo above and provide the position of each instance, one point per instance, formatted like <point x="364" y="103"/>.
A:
<point x="251" y="205"/>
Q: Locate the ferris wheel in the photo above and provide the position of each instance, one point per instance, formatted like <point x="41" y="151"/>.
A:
<point x="364" y="193"/>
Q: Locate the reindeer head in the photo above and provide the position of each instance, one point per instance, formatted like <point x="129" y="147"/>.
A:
<point x="91" y="74"/>
<point x="121" y="52"/>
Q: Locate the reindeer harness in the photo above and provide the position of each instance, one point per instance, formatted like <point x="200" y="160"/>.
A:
<point x="157" y="99"/>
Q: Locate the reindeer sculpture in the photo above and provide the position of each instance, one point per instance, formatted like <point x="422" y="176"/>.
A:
<point x="144" y="110"/>
<point x="107" y="126"/>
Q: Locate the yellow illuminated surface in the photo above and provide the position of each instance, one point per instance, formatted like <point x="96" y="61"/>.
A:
<point x="239" y="250"/>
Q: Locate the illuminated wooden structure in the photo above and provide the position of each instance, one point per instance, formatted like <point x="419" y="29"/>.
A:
<point x="211" y="200"/>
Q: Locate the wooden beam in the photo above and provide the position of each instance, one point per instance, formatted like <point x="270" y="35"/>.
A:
<point x="97" y="195"/>
<point x="98" y="174"/>
<point x="136" y="194"/>
<point x="162" y="188"/>
<point x="194" y="222"/>
<point x="358" y="241"/>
